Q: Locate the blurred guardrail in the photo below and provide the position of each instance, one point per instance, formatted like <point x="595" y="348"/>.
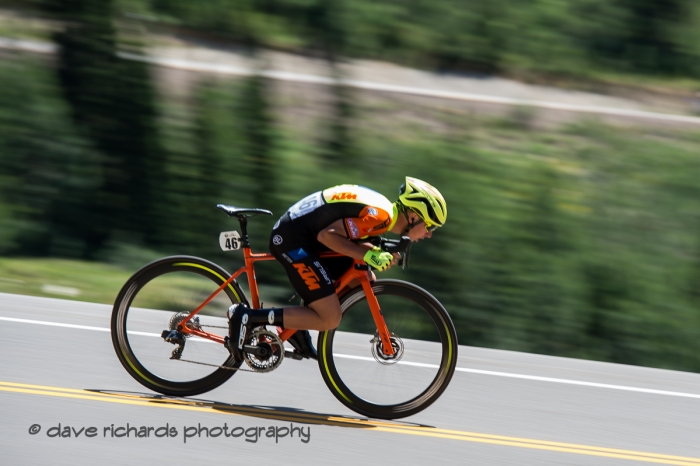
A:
<point x="198" y="66"/>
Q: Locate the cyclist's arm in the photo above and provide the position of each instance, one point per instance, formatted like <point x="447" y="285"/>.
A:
<point x="334" y="237"/>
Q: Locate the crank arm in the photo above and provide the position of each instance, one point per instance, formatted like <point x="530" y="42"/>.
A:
<point x="256" y="350"/>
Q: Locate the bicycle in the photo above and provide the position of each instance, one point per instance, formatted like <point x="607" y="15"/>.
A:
<point x="390" y="366"/>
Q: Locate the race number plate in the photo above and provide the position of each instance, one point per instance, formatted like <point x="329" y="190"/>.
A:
<point x="229" y="240"/>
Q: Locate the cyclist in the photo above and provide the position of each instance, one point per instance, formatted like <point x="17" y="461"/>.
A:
<point x="337" y="219"/>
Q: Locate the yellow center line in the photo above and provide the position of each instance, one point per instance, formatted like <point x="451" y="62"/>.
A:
<point x="172" y="403"/>
<point x="381" y="426"/>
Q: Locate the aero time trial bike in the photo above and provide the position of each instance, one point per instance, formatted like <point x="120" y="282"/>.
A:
<point x="392" y="356"/>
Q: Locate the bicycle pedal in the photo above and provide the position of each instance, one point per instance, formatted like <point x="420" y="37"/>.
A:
<point x="294" y="355"/>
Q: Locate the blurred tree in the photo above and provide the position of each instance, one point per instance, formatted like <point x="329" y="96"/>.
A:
<point x="197" y="177"/>
<point x="648" y="36"/>
<point x="612" y="327"/>
<point x="328" y="34"/>
<point x="45" y="167"/>
<point x="338" y="146"/>
<point x="259" y="140"/>
<point x="692" y="286"/>
<point x="326" y="28"/>
<point x="540" y="36"/>
<point x="112" y="101"/>
<point x="650" y="45"/>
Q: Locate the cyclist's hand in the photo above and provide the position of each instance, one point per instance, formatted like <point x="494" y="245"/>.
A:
<point x="379" y="259"/>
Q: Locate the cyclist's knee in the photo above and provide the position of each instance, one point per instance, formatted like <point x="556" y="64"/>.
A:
<point x="328" y="311"/>
<point x="335" y="319"/>
<point x="330" y="318"/>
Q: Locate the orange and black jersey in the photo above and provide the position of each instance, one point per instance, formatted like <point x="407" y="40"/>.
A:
<point x="364" y="212"/>
<point x="294" y="241"/>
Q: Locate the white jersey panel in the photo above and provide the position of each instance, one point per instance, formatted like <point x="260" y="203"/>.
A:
<point x="306" y="205"/>
<point x="358" y="194"/>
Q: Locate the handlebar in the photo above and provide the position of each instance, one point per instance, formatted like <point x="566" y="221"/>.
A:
<point x="402" y="246"/>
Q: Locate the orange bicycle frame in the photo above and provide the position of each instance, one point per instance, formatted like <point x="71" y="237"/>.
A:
<point x="353" y="273"/>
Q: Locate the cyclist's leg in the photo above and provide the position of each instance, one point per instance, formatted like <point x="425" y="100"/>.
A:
<point x="313" y="278"/>
<point x="297" y="251"/>
<point x="322" y="314"/>
<point x="313" y="283"/>
<point x="310" y="279"/>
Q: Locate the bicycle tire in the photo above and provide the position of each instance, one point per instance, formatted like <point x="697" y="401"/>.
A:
<point x="176" y="283"/>
<point x="356" y="377"/>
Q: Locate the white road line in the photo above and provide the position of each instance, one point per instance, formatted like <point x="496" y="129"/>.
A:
<point x="54" y="324"/>
<point x="458" y="369"/>
<point x="83" y="327"/>
<point x="578" y="382"/>
<point x="403" y="363"/>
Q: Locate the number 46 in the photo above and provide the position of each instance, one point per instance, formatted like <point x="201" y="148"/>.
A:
<point x="229" y="240"/>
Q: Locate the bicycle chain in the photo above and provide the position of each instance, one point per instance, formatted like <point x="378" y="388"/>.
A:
<point x="216" y="365"/>
<point x="220" y="367"/>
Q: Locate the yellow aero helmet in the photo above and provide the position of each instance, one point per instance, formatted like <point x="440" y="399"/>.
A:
<point x="424" y="200"/>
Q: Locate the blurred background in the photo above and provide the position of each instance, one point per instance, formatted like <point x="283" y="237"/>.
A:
<point x="572" y="231"/>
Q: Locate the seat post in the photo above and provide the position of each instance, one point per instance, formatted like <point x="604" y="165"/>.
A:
<point x="244" y="230"/>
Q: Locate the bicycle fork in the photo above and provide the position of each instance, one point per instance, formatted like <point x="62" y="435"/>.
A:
<point x="387" y="347"/>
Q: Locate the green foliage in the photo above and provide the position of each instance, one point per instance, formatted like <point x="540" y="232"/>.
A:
<point x="656" y="37"/>
<point x="258" y="139"/>
<point x="46" y="169"/>
<point x="62" y="278"/>
<point x="337" y="145"/>
<point x="112" y="103"/>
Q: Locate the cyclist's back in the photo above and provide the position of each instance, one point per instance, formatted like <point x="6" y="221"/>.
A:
<point x="364" y="211"/>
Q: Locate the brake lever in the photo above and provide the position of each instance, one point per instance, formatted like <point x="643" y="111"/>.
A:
<point x="406" y="256"/>
<point x="402" y="246"/>
<point x="405" y="247"/>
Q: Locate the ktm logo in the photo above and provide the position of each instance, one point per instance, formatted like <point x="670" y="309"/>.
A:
<point x="341" y="196"/>
<point x="309" y="276"/>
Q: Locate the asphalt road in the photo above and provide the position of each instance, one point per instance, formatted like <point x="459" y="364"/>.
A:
<point x="58" y="368"/>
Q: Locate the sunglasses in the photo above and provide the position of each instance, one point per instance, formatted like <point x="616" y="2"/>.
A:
<point x="431" y="228"/>
<point x="428" y="228"/>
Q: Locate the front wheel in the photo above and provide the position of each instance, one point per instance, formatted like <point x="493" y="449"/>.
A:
<point x="424" y="339"/>
<point x="156" y="299"/>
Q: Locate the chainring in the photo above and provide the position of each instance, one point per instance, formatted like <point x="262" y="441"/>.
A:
<point x="261" y="336"/>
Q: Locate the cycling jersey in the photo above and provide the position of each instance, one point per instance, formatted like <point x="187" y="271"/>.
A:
<point x="363" y="211"/>
<point x="293" y="239"/>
